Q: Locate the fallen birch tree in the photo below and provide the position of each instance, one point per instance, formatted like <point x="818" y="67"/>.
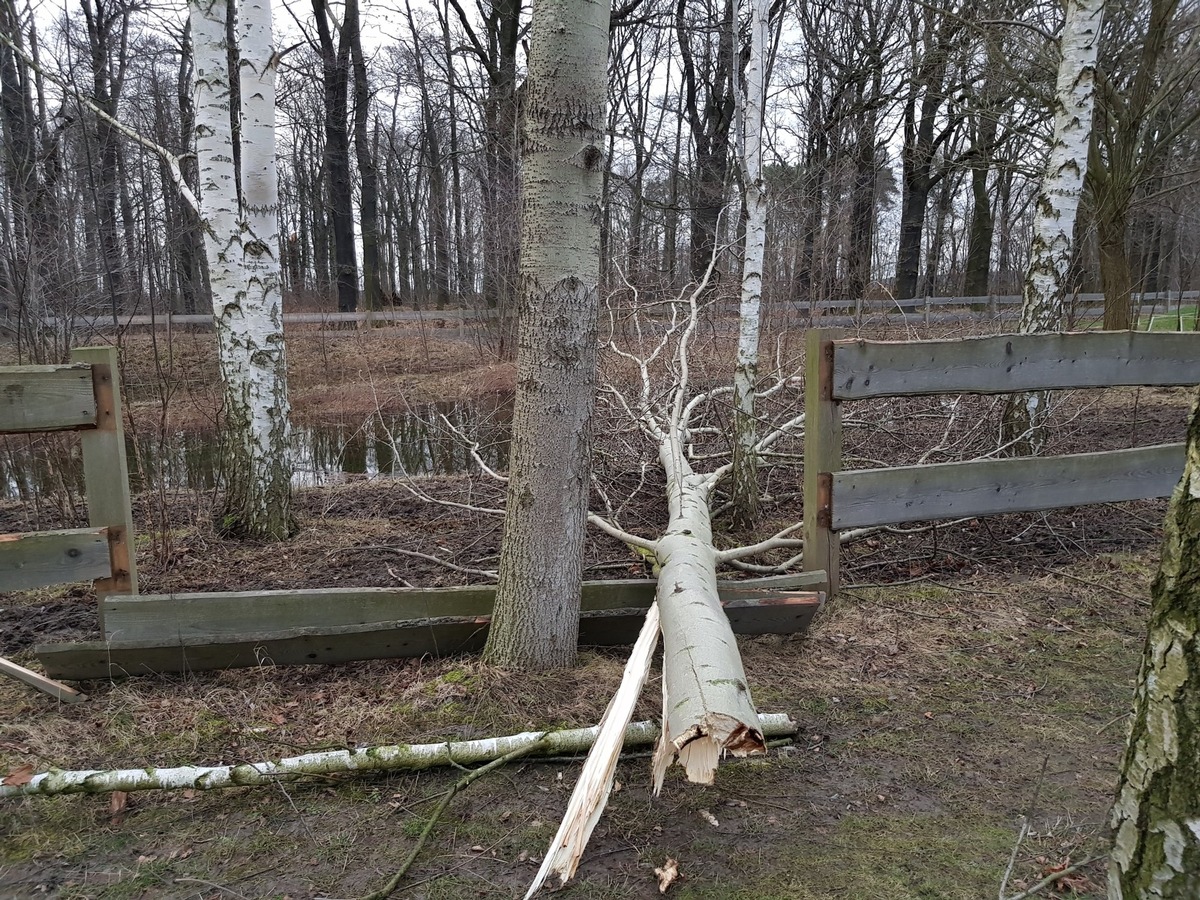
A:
<point x="410" y="757"/>
<point x="707" y="706"/>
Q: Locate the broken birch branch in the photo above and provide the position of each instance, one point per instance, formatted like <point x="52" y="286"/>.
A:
<point x="595" y="781"/>
<point x="367" y="759"/>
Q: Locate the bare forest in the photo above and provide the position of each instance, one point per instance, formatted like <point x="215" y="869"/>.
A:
<point x="445" y="350"/>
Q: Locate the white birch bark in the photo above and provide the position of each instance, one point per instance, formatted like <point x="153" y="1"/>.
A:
<point x="1045" y="291"/>
<point x="1156" y="816"/>
<point x="707" y="708"/>
<point x="264" y="501"/>
<point x="743" y="477"/>
<point x="366" y="759"/>
<point x="242" y="242"/>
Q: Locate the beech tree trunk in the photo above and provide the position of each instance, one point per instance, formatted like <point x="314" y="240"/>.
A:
<point x="1043" y="305"/>
<point x="368" y="174"/>
<point x="335" y="64"/>
<point x="1156" y="852"/>
<point x="242" y="246"/>
<point x="536" y="620"/>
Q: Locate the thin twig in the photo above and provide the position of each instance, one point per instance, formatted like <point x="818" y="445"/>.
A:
<point x="1052" y="878"/>
<point x="215" y="887"/>
<point x="461" y="784"/>
<point x="1025" y="820"/>
<point x="1101" y="587"/>
<point x="466" y="570"/>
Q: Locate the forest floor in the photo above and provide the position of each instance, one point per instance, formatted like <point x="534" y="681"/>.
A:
<point x="965" y="677"/>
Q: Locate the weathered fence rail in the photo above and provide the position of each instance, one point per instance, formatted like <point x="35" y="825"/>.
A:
<point x="847" y="370"/>
<point x="222" y="630"/>
<point x="106" y="322"/>
<point x="82" y="397"/>
<point x="833" y="312"/>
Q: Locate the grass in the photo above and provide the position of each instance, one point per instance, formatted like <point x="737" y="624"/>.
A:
<point x="925" y="716"/>
<point x="1172" y="319"/>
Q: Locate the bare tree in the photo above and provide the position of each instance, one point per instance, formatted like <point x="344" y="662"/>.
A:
<point x="744" y="474"/>
<point x="1143" y="101"/>
<point x="335" y="74"/>
<point x="242" y="244"/>
<point x="536" y="622"/>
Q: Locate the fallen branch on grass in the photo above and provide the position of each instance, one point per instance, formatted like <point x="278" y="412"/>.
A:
<point x="462" y="783"/>
<point x="413" y="757"/>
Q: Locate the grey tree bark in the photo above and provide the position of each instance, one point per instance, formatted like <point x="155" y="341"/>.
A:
<point x="536" y="621"/>
<point x="1156" y="852"/>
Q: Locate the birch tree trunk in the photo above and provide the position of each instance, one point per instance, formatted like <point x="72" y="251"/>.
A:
<point x="242" y="247"/>
<point x="707" y="709"/>
<point x="1156" y="853"/>
<point x="744" y="475"/>
<point x="1044" y="303"/>
<point x="536" y="620"/>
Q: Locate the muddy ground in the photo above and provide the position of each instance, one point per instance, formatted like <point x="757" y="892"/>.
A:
<point x="965" y="677"/>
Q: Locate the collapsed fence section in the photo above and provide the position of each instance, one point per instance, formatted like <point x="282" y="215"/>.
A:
<point x="847" y="370"/>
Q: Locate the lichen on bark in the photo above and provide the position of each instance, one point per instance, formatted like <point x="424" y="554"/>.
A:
<point x="1156" y="816"/>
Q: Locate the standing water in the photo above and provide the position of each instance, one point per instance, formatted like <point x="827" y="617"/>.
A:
<point x="417" y="442"/>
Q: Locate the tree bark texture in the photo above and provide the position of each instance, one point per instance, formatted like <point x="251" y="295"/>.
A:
<point x="744" y="475"/>
<point x="709" y="100"/>
<point x="242" y="247"/>
<point x="414" y="757"/>
<point x="1156" y="852"/>
<point x="1044" y="303"/>
<point x="536" y="621"/>
<point x="335" y="64"/>
<point x="707" y="708"/>
<point x="368" y="174"/>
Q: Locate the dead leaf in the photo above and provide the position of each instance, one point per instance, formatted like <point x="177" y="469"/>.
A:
<point x="667" y="875"/>
<point x="22" y="774"/>
<point x="118" y="801"/>
<point x="1076" y="883"/>
<point x="278" y="719"/>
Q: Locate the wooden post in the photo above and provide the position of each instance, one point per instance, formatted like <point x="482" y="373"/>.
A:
<point x="106" y="474"/>
<point x="822" y="455"/>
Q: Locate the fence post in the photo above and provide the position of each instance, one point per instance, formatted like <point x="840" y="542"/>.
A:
<point x="106" y="474"/>
<point x="822" y="455"/>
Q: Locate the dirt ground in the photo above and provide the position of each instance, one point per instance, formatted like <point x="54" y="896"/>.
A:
<point x="966" y="677"/>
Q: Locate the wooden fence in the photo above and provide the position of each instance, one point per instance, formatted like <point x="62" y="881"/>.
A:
<point x="857" y="311"/>
<point x="845" y="370"/>
<point x="190" y="632"/>
<point x="86" y="398"/>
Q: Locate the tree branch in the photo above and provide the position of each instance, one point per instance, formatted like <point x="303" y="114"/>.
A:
<point x="171" y="160"/>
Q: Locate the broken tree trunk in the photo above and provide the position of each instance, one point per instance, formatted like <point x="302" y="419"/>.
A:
<point x="366" y="759"/>
<point x="707" y="710"/>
